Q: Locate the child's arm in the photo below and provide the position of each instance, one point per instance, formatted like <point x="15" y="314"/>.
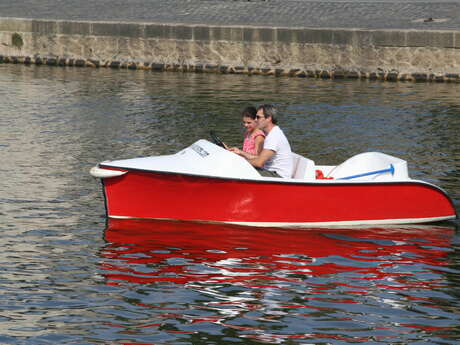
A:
<point x="259" y="143"/>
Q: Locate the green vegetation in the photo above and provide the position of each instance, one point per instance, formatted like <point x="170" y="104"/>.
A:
<point x="16" y="40"/>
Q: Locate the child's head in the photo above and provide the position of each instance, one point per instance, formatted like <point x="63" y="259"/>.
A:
<point x="249" y="118"/>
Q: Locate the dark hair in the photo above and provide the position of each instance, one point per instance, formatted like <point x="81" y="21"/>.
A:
<point x="250" y="112"/>
<point x="269" y="110"/>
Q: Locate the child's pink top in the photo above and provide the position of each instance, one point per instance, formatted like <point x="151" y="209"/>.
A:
<point x="249" y="144"/>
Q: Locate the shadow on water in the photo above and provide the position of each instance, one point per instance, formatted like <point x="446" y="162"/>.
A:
<point x="203" y="283"/>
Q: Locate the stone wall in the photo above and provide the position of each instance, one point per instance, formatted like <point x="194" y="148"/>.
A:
<point x="302" y="52"/>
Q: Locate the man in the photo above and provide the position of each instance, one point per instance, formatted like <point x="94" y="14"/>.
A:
<point x="275" y="156"/>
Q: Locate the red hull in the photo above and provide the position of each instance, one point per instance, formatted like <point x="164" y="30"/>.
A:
<point x="155" y="195"/>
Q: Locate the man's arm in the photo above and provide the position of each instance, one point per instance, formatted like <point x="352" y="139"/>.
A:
<point x="256" y="160"/>
<point x="259" y="160"/>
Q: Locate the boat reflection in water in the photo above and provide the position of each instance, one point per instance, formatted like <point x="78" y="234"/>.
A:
<point x="270" y="285"/>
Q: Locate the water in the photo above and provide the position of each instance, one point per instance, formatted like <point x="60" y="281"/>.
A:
<point x="67" y="277"/>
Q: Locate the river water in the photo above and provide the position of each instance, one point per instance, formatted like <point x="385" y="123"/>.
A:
<point x="67" y="277"/>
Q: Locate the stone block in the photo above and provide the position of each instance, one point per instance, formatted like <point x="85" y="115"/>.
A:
<point x="156" y="31"/>
<point x="287" y="35"/>
<point x="266" y="34"/>
<point x="93" y="63"/>
<point x="74" y="28"/>
<point x="201" y="33"/>
<point x="80" y="63"/>
<point x="392" y="76"/>
<point x="420" y="77"/>
<point x="301" y="74"/>
<point x="236" y="34"/>
<point x="183" y="32"/>
<point x="16" y="25"/>
<point x="104" y="29"/>
<point x="456" y="44"/>
<point x="342" y="37"/>
<point x="158" y="67"/>
<point x="439" y="78"/>
<point x="372" y="76"/>
<point x="117" y="29"/>
<point x="295" y="35"/>
<point x="248" y="34"/>
<point x="131" y="30"/>
<point x="339" y="74"/>
<point x="362" y="38"/>
<point x="324" y="75"/>
<point x="405" y="77"/>
<point x="221" y="33"/>
<point x="389" y="38"/>
<point x="51" y="62"/>
<point x="211" y="68"/>
<point x="430" y="39"/>
<point x="259" y="34"/>
<point x="44" y="27"/>
<point x="352" y="75"/>
<point x="114" y="64"/>
<point x="318" y="36"/>
<point x="293" y="72"/>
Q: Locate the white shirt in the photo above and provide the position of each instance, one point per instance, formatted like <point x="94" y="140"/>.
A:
<point x="281" y="161"/>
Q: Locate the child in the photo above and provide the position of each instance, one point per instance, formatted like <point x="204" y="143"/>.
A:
<point x="254" y="137"/>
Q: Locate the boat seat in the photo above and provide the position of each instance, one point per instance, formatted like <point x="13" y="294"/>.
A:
<point x="303" y="168"/>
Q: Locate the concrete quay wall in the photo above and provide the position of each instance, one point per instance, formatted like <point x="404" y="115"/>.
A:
<point x="416" y="55"/>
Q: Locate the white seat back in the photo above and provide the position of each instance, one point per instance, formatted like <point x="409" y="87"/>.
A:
<point x="304" y="168"/>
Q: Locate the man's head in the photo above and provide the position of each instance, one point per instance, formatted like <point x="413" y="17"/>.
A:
<point x="266" y="116"/>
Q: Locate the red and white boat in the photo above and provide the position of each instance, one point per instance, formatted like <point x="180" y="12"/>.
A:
<point x="207" y="183"/>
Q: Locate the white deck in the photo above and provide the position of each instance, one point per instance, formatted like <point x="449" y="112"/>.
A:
<point x="207" y="159"/>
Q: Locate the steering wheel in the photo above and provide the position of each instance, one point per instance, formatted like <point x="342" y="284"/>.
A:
<point x="216" y="139"/>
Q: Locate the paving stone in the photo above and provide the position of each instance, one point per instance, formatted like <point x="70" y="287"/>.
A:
<point x="370" y="14"/>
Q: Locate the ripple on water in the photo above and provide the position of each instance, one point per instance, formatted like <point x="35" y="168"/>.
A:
<point x="67" y="281"/>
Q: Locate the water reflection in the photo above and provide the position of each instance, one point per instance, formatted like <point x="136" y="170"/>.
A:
<point x="274" y="285"/>
<point x="202" y="284"/>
